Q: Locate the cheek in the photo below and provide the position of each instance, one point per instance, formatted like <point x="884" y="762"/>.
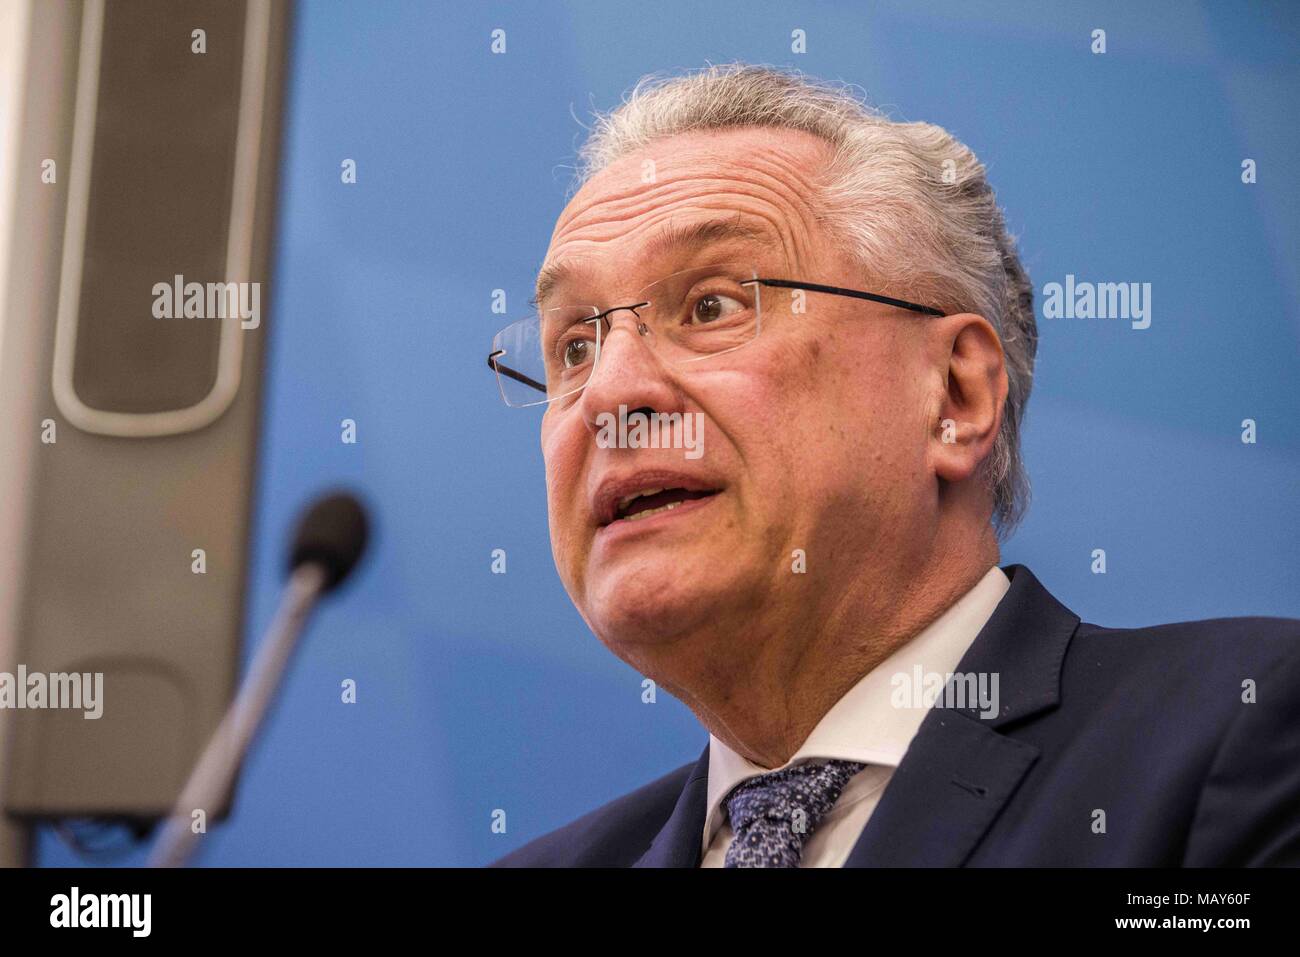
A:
<point x="767" y="412"/>
<point x="856" y="409"/>
<point x="563" y="453"/>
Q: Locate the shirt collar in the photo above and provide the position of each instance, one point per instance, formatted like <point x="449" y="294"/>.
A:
<point x="864" y="725"/>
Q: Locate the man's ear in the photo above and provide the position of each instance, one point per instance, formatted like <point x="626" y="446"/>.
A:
<point x="969" y="412"/>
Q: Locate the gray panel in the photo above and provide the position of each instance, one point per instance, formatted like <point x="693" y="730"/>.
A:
<point x="115" y="514"/>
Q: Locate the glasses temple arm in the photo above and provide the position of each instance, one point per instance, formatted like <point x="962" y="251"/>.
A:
<point x="507" y="371"/>
<point x="838" y="291"/>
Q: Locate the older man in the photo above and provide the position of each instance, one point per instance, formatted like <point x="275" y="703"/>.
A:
<point x="834" y="300"/>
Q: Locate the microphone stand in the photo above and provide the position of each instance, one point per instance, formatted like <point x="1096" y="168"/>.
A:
<point x="214" y="775"/>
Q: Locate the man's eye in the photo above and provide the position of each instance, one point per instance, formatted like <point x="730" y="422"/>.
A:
<point x="574" y="345"/>
<point x="575" y="352"/>
<point x="711" y="308"/>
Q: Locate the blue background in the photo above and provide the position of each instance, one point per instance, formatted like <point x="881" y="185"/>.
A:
<point x="479" y="691"/>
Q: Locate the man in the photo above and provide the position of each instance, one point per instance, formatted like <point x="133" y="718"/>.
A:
<point x="834" y="299"/>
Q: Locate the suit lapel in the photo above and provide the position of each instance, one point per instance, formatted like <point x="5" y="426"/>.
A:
<point x="949" y="787"/>
<point x="678" y="843"/>
<point x="960" y="770"/>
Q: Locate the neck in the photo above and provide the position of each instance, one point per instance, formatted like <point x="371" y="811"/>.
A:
<point x="764" y="704"/>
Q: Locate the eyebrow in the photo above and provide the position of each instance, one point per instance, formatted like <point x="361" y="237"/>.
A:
<point x="672" y="237"/>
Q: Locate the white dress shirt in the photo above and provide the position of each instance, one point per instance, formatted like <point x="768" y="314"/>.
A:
<point x="863" y="726"/>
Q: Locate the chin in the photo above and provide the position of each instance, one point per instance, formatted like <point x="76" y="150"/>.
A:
<point x="647" y="609"/>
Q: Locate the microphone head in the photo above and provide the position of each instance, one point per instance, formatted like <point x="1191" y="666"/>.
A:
<point x="332" y="532"/>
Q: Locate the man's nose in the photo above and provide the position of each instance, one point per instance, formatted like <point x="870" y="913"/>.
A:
<point x="628" y="373"/>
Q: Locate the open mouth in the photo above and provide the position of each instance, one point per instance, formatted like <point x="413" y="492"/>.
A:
<point x="652" y="501"/>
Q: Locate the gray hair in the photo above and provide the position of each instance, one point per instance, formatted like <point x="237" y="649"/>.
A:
<point x="911" y="201"/>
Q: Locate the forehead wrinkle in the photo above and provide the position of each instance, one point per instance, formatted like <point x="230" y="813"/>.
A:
<point x="788" y="163"/>
<point x="777" y="203"/>
<point x="783" y="157"/>
<point x="781" y="185"/>
<point x="663" y="224"/>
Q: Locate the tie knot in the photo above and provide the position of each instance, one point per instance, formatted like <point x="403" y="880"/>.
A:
<point x="773" y="814"/>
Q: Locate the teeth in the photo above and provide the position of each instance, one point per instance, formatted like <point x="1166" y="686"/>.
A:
<point x="651" y="511"/>
<point x="624" y="502"/>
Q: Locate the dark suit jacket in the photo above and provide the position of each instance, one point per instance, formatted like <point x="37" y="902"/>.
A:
<point x="1146" y="725"/>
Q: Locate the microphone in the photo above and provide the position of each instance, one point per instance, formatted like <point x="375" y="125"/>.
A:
<point x="331" y="533"/>
<point x="329" y="540"/>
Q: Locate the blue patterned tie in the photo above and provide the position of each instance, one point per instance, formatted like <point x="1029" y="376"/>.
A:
<point x="773" y="814"/>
